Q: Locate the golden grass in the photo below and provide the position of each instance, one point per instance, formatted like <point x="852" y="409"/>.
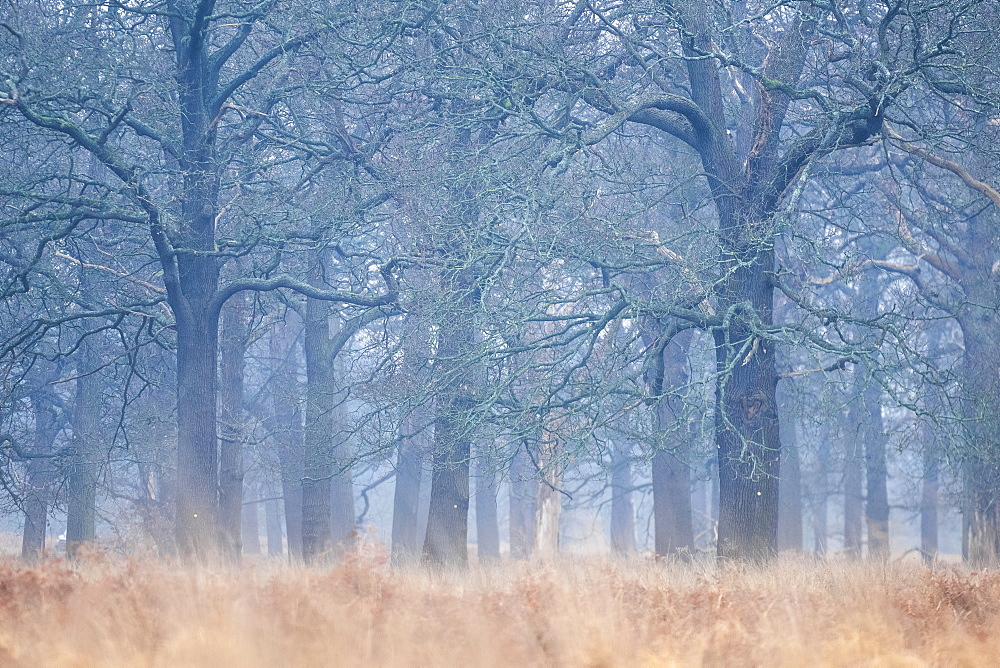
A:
<point x="568" y="613"/>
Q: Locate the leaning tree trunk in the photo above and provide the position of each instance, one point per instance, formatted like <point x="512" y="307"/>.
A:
<point x="81" y="503"/>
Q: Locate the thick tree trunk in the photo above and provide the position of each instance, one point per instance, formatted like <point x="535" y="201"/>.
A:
<point x="39" y="479"/>
<point x="448" y="516"/>
<point x="81" y="505"/>
<point x="523" y="497"/>
<point x="487" y="524"/>
<point x="231" y="400"/>
<point x="622" y="509"/>
<point x="410" y="455"/>
<point x="317" y="526"/>
<point x="458" y="377"/>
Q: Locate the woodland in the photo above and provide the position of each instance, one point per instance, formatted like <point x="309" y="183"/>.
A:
<point x="479" y="281"/>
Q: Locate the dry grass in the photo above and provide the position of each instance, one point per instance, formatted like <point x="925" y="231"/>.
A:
<point x="583" y="613"/>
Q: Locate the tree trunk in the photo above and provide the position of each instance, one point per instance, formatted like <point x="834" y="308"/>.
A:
<point x="81" y="505"/>
<point x="285" y="427"/>
<point x="821" y="497"/>
<point x="672" y="514"/>
<point x="317" y="526"/>
<point x="39" y="480"/>
<point x="622" y="510"/>
<point x="272" y="525"/>
<point x="523" y="497"/>
<point x="877" y="497"/>
<point x="250" y="522"/>
<point x="790" y="489"/>
<point x="487" y="525"/>
<point x="231" y="400"/>
<point x="410" y="455"/>
<point x="929" y="502"/>
<point x="853" y="485"/>
<point x="548" y="509"/>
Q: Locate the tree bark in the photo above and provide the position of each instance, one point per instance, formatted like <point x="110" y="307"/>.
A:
<point x="250" y="523"/>
<point x="317" y="524"/>
<point x="929" y="502"/>
<point x="548" y="508"/>
<point x="853" y="482"/>
<point x="821" y="497"/>
<point x="286" y="428"/>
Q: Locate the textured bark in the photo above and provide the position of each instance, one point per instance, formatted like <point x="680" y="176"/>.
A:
<point x="231" y="427"/>
<point x="487" y="524"/>
<point x="523" y="497"/>
<point x="81" y="503"/>
<point x="317" y="526"/>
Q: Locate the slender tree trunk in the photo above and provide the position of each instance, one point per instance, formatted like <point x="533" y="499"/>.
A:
<point x="250" y="522"/>
<point x="406" y="498"/>
<point x="231" y="400"/>
<point x="672" y="514"/>
<point x="622" y="509"/>
<point x="81" y="506"/>
<point x="853" y="492"/>
<point x="39" y="480"/>
<point x="821" y="497"/>
<point x="876" y="475"/>
<point x="487" y="524"/>
<point x="523" y="496"/>
<point x="548" y="509"/>
<point x="790" y="490"/>
<point x="272" y="525"/>
<point x="929" y="503"/>
<point x="286" y="429"/>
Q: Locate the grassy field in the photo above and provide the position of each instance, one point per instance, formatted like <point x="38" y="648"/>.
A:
<point x="569" y="613"/>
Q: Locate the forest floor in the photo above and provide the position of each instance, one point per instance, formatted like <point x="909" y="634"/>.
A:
<point x="583" y="612"/>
